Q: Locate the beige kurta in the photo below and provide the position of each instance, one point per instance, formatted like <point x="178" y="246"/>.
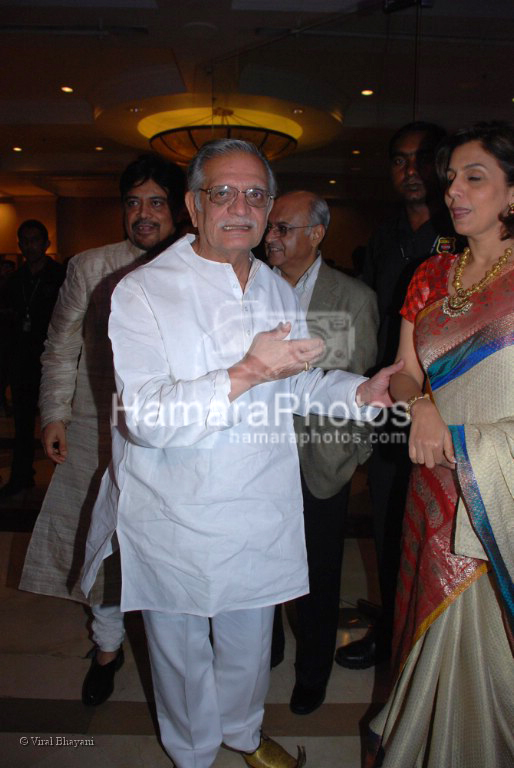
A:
<point x="77" y="386"/>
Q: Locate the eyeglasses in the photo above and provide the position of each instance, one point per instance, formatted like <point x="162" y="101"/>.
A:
<point x="283" y="229"/>
<point x="224" y="195"/>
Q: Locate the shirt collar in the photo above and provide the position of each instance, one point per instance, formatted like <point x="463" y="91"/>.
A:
<point x="308" y="278"/>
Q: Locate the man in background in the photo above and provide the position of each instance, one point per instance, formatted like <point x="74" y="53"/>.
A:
<point x="27" y="300"/>
<point x="76" y="395"/>
<point x="420" y="228"/>
<point x="343" y="311"/>
<point x="7" y="267"/>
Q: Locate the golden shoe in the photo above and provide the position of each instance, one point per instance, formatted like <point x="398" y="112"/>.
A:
<point x="270" y="754"/>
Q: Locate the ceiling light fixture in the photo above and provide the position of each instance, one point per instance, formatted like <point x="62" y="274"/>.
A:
<point x="177" y="125"/>
<point x="17" y="149"/>
<point x="66" y="89"/>
<point x="367" y="92"/>
<point x="184" y="131"/>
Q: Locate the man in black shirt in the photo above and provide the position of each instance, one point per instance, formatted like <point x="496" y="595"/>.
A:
<point x="420" y="228"/>
<point x="27" y="300"/>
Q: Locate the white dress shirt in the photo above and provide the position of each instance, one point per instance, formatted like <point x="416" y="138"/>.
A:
<point x="304" y="288"/>
<point x="207" y="492"/>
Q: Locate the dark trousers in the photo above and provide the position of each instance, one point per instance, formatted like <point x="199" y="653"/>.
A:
<point x="317" y="613"/>
<point x="25" y="380"/>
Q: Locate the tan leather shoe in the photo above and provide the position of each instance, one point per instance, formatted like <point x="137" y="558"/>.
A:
<point x="269" y="754"/>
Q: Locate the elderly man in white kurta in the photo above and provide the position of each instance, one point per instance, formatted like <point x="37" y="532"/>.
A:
<point x="211" y="359"/>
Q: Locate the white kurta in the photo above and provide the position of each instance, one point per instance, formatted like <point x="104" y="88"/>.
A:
<point x="207" y="493"/>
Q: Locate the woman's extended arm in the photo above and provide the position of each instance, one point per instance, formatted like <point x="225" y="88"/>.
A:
<point x="430" y="441"/>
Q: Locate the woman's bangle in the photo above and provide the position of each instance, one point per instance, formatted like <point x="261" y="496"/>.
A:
<point x="410" y="402"/>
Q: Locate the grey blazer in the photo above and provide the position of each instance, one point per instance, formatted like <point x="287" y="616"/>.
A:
<point x="343" y="311"/>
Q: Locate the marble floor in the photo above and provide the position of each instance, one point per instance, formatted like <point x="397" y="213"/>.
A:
<point x="44" y="642"/>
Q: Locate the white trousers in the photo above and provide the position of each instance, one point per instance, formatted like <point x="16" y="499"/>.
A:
<point x="107" y="627"/>
<point x="207" y="693"/>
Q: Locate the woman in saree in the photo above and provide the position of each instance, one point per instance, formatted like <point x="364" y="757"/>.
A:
<point x="452" y="705"/>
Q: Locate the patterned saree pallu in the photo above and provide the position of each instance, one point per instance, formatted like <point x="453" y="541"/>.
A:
<point x="469" y="360"/>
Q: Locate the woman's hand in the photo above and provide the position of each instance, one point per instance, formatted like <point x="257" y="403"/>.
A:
<point x="430" y="440"/>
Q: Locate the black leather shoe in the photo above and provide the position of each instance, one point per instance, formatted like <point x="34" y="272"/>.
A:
<point x="306" y="700"/>
<point x="99" y="681"/>
<point x="360" y="654"/>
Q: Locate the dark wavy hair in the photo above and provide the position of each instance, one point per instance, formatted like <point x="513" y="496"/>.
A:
<point x="497" y="138"/>
<point x="152" y="167"/>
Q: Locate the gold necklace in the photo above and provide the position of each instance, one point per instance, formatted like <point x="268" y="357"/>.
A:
<point x="459" y="303"/>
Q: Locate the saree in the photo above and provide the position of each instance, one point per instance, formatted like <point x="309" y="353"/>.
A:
<point x="452" y="703"/>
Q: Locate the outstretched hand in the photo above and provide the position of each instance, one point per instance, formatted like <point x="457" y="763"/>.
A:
<point x="375" y="391"/>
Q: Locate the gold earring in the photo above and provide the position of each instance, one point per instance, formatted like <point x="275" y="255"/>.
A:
<point x="511" y="208"/>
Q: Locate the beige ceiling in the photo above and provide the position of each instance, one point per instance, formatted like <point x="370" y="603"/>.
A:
<point x="451" y="63"/>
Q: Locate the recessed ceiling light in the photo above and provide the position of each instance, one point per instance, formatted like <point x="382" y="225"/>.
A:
<point x="367" y="92"/>
<point x="135" y="109"/>
<point x="298" y="111"/>
<point x="356" y="151"/>
<point x="17" y="149"/>
<point x="99" y="149"/>
<point x="332" y="181"/>
<point x="66" y="89"/>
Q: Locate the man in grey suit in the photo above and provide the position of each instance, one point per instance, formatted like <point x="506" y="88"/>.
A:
<point x="343" y="311"/>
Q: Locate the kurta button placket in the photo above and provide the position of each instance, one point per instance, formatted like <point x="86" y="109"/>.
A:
<point x="246" y="318"/>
